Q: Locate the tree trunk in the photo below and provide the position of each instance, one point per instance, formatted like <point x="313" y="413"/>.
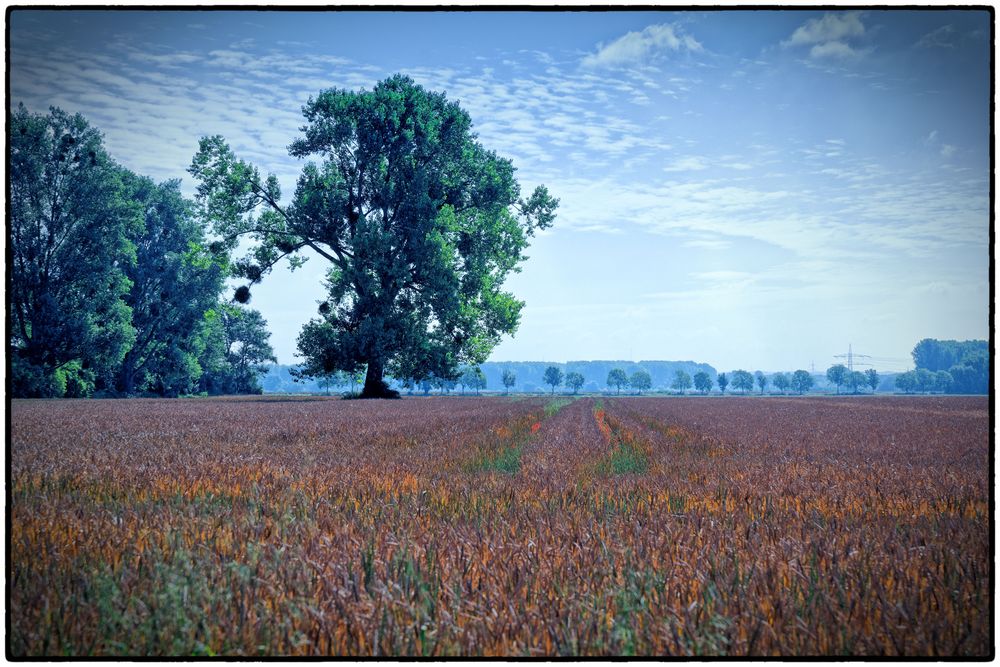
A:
<point x="375" y="386"/>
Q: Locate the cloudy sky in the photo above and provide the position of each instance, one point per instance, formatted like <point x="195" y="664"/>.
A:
<point x="753" y="189"/>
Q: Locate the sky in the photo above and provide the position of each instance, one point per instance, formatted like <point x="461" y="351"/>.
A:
<point x="748" y="189"/>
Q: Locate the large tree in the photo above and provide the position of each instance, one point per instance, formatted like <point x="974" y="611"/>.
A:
<point x="68" y="246"/>
<point x="420" y="223"/>
<point x="175" y="280"/>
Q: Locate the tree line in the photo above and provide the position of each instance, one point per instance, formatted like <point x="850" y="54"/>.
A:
<point x="115" y="286"/>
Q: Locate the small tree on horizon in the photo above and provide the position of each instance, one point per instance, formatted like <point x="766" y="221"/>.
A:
<point x="723" y="381"/>
<point x="801" y="381"/>
<point x="641" y="380"/>
<point x="703" y="382"/>
<point x="761" y="381"/>
<point x="574" y="380"/>
<point x="617" y="379"/>
<point x="838" y="375"/>
<point x="871" y="376"/>
<point x="742" y="380"/>
<point x="780" y="381"/>
<point x="856" y="380"/>
<point x="509" y="379"/>
<point x="682" y="381"/>
<point x="553" y="376"/>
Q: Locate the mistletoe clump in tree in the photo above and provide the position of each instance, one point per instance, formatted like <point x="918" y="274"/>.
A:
<point x="420" y="224"/>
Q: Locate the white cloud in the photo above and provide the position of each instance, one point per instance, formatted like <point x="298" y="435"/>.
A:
<point x="828" y="28"/>
<point x="836" y="50"/>
<point x="636" y="47"/>
<point x="947" y="150"/>
<point x="690" y="163"/>
<point x="931" y="138"/>
<point x="830" y="35"/>
<point x="940" y="38"/>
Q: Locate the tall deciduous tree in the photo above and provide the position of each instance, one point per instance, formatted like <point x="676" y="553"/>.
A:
<point x="723" y="381"/>
<point x="420" y="223"/>
<point x="175" y="280"/>
<point x="68" y="246"/>
<point x="780" y="381"/>
<point x="703" y="382"/>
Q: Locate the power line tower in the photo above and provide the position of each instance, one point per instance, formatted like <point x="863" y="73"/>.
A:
<point x="850" y="356"/>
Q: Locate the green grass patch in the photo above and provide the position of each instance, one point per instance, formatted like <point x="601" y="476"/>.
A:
<point x="555" y="405"/>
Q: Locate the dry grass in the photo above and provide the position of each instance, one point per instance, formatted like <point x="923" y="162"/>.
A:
<point x="498" y="527"/>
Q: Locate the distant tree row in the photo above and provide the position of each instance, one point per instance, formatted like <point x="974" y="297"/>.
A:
<point x="966" y="364"/>
<point x="923" y="381"/>
<point x="841" y="376"/>
<point x="800" y="381"/>
<point x="114" y="286"/>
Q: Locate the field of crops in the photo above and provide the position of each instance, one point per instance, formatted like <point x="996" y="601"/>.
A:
<point x="494" y="526"/>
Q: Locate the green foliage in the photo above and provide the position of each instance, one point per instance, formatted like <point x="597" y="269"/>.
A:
<point x="872" y="378"/>
<point x="801" y="381"/>
<point x="837" y="375"/>
<point x="761" y="381"/>
<point x="906" y="382"/>
<point x="681" y="383"/>
<point x="574" y="380"/>
<point x="509" y="379"/>
<point x="723" y="381"/>
<point x="473" y="378"/>
<point x="781" y="381"/>
<point x="641" y="380"/>
<point x="742" y="380"/>
<point x="940" y="355"/>
<point x="553" y="376"/>
<point x="235" y="350"/>
<point x="703" y="382"/>
<point x="69" y="242"/>
<point x="855" y="380"/>
<point x="617" y="379"/>
<point x="420" y="223"/>
<point x="175" y="280"/>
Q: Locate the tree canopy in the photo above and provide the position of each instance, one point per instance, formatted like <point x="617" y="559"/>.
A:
<point x="419" y="222"/>
<point x="703" y="382"/>
<point x="553" y="376"/>
<point x="617" y="379"/>
<point x="113" y="283"/>
<point x="69" y="245"/>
